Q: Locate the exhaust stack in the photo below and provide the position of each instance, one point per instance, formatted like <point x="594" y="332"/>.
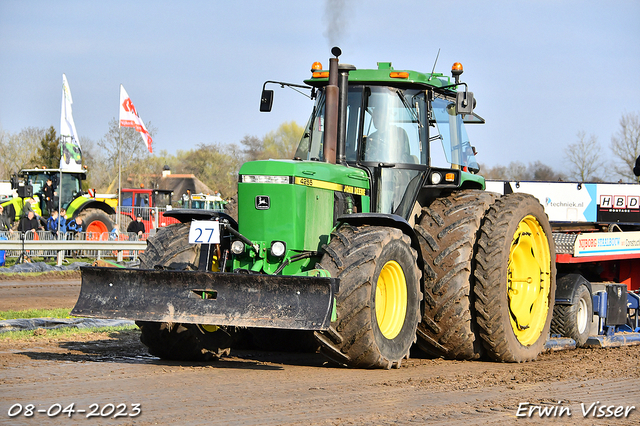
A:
<point x="331" y="110"/>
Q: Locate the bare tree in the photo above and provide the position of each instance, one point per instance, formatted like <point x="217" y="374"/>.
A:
<point x="625" y="145"/>
<point x="253" y="147"/>
<point x="585" y="158"/>
<point x="17" y="149"/>
<point x="540" y="171"/>
<point x="518" y="171"/>
<point x="497" y="172"/>
<point x="134" y="153"/>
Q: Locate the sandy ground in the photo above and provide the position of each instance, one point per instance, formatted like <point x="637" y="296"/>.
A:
<point x="270" y="388"/>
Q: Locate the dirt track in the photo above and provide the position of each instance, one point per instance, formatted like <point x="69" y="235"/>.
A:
<point x="268" y="388"/>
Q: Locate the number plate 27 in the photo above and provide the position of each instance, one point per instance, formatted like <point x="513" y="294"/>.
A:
<point x="204" y="232"/>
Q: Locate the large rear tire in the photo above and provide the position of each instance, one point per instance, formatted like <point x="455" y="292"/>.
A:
<point x="447" y="232"/>
<point x="515" y="279"/>
<point x="96" y="222"/>
<point x="378" y="303"/>
<point x="170" y="249"/>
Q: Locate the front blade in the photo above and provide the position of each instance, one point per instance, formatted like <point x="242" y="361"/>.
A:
<point x="246" y="300"/>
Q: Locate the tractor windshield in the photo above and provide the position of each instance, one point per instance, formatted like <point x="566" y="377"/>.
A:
<point x="390" y="122"/>
<point x="391" y="131"/>
<point x="384" y="133"/>
<point x="162" y="199"/>
<point x="69" y="189"/>
<point x="450" y="130"/>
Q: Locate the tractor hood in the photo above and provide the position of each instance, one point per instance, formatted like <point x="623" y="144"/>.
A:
<point x="293" y="201"/>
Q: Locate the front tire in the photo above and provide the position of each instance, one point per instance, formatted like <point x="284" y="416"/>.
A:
<point x="378" y="300"/>
<point x="515" y="279"/>
<point x="184" y="342"/>
<point x="170" y="249"/>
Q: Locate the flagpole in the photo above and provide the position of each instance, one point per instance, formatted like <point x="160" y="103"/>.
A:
<point x="59" y="188"/>
<point x="119" y="169"/>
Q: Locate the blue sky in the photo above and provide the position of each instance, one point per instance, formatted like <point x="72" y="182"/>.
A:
<point x="541" y="71"/>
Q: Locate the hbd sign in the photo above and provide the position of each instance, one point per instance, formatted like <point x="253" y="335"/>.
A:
<point x="619" y="202"/>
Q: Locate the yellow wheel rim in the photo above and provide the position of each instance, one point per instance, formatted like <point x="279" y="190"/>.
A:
<point x="391" y="299"/>
<point x="528" y="280"/>
<point x="209" y="328"/>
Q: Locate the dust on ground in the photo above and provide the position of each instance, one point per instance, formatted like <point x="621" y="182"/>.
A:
<point x="275" y="388"/>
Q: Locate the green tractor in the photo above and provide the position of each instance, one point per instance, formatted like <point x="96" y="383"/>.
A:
<point x="30" y="183"/>
<point x="360" y="241"/>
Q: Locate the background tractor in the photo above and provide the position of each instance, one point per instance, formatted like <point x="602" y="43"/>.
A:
<point x="378" y="234"/>
<point x="30" y="183"/>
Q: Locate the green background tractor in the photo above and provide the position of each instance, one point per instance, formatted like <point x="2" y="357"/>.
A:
<point x="364" y="240"/>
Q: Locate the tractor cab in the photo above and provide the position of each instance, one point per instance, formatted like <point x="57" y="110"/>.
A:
<point x="35" y="180"/>
<point x="141" y="201"/>
<point x="398" y="126"/>
<point x="150" y="204"/>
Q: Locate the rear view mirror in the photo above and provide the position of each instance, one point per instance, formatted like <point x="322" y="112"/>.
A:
<point x="266" y="101"/>
<point x="464" y="102"/>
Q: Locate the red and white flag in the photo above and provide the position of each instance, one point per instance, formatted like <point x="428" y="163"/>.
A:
<point x="129" y="117"/>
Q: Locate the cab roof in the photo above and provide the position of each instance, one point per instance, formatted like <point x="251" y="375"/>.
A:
<point x="385" y="74"/>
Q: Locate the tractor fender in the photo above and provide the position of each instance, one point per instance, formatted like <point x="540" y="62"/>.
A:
<point x="388" y="220"/>
<point x="567" y="286"/>
<point x="187" y="215"/>
<point x="81" y="203"/>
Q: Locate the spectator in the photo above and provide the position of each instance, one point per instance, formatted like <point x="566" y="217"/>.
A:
<point x="114" y="235"/>
<point x="29" y="223"/>
<point x="49" y="193"/>
<point x="636" y="169"/>
<point x="27" y="207"/>
<point x="5" y="223"/>
<point x="55" y="222"/>
<point x="137" y="226"/>
<point x="76" y="226"/>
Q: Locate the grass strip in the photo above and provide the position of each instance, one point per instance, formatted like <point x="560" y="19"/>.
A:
<point x="63" y="332"/>
<point x="36" y="313"/>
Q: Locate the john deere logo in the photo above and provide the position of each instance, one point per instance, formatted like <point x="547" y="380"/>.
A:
<point x="263" y="202"/>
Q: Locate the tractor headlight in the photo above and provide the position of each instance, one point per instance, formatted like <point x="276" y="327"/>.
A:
<point x="278" y="248"/>
<point x="436" y="178"/>
<point x="237" y="247"/>
<point x="264" y="179"/>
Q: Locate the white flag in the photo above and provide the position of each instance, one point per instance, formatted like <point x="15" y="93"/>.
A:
<point x="129" y="117"/>
<point x="71" y="154"/>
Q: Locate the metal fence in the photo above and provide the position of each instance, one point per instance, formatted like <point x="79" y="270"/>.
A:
<point x="44" y="244"/>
